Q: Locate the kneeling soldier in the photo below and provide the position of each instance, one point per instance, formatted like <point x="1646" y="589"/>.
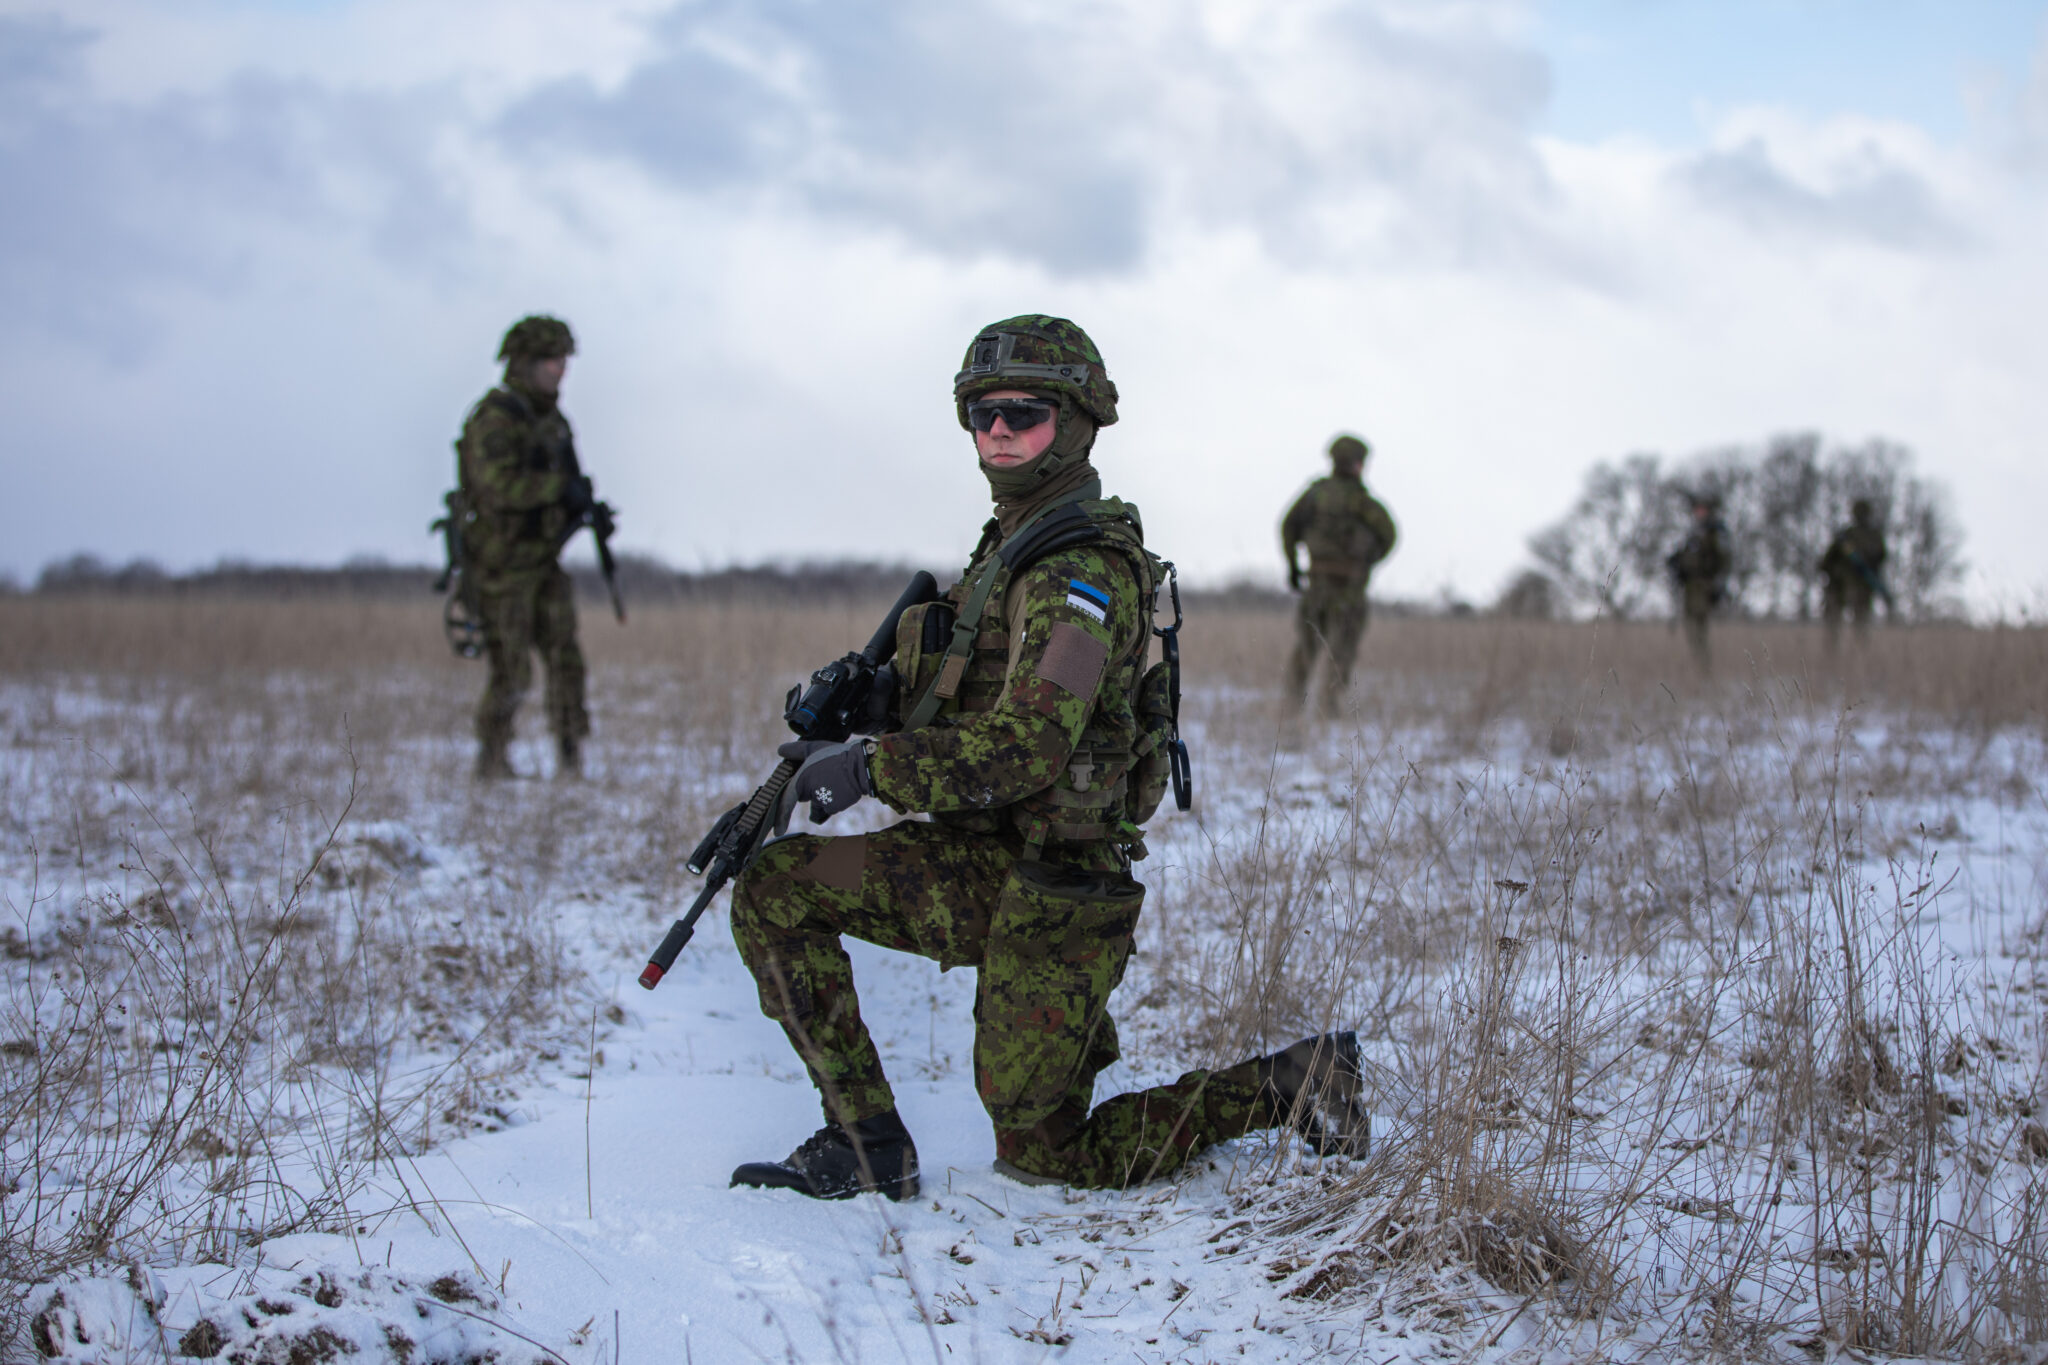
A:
<point x="1023" y="718"/>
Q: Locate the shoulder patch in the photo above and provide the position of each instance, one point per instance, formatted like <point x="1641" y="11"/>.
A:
<point x="1088" y="598"/>
<point x="1073" y="659"/>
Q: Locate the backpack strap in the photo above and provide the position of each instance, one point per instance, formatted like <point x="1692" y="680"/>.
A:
<point x="1064" y="523"/>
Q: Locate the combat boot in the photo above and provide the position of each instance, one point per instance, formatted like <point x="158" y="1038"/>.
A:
<point x="875" y="1156"/>
<point x="568" y="758"/>
<point x="492" y="765"/>
<point x="1316" y="1086"/>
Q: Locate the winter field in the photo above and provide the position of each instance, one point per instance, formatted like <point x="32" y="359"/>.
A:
<point x="1709" y="1021"/>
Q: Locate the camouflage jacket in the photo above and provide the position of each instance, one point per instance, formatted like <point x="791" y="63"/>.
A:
<point x="1040" y="736"/>
<point x="515" y="461"/>
<point x="1854" y="544"/>
<point x="1347" y="530"/>
<point x="1703" y="558"/>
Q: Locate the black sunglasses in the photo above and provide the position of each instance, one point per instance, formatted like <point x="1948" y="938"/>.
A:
<point x="1019" y="414"/>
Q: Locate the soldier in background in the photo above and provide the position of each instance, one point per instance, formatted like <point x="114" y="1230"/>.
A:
<point x="1699" y="568"/>
<point x="525" y="495"/>
<point x="1854" y="568"/>
<point x="1347" y="531"/>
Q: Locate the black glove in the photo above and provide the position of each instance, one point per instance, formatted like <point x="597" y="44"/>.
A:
<point x="834" y="775"/>
<point x="603" y="520"/>
<point x="579" y="497"/>
<point x="878" y="714"/>
<point x="1293" y="576"/>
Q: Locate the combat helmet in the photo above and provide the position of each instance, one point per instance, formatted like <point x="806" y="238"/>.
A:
<point x="537" y="337"/>
<point x="1863" y="511"/>
<point x="1349" y="449"/>
<point x="1047" y="355"/>
<point x="1044" y="354"/>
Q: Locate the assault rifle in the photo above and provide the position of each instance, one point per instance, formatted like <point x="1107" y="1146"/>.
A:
<point x="1874" y="581"/>
<point x="833" y="707"/>
<point x="602" y="520"/>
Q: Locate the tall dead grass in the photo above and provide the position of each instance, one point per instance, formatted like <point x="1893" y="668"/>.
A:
<point x="1666" y="1035"/>
<point x="1664" y="973"/>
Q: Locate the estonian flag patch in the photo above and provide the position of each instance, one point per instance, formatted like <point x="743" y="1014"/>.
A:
<point x="1088" y="598"/>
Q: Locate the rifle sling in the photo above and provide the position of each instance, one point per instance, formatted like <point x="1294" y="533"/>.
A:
<point x="1035" y="537"/>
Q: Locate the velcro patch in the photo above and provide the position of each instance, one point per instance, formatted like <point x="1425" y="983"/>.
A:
<point x="839" y="862"/>
<point x="1073" y="659"/>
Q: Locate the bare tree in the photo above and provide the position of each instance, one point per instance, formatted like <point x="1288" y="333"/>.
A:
<point x="1608" y="553"/>
<point x="1781" y="501"/>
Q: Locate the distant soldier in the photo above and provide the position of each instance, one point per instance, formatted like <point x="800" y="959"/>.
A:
<point x="1854" y="569"/>
<point x="1699" y="568"/>
<point x="524" y="495"/>
<point x="1347" y="531"/>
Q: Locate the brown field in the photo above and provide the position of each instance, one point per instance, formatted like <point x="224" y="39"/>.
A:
<point x="1630" y="945"/>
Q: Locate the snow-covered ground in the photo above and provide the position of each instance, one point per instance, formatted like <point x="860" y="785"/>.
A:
<point x="1689" y="1029"/>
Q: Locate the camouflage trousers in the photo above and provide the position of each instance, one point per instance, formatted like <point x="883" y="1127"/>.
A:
<point x="1855" y="600"/>
<point x="1050" y="942"/>
<point x="1696" y="608"/>
<point x="524" y="613"/>
<point x="1331" y="616"/>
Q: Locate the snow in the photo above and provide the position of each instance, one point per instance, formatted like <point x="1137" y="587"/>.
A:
<point x="581" y="1212"/>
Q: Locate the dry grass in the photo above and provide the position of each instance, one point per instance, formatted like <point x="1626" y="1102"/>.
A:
<point x="1673" y="981"/>
<point x="1673" y="1050"/>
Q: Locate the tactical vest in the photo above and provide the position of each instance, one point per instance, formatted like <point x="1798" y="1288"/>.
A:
<point x="502" y="539"/>
<point x="1340" y="542"/>
<point x="953" y="660"/>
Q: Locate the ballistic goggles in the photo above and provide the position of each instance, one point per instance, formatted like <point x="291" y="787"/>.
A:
<point x="1019" y="414"/>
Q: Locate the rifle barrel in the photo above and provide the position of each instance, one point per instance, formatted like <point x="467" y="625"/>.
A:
<point x="736" y="836"/>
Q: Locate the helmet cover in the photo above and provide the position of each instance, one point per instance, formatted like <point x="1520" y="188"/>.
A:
<point x="1039" y="354"/>
<point x="537" y="337"/>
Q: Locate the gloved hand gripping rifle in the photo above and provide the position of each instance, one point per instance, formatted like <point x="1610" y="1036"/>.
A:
<point x="602" y="519"/>
<point x="1873" y="580"/>
<point x="832" y="707"/>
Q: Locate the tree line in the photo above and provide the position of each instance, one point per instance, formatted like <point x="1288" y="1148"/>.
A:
<point x="1781" y="500"/>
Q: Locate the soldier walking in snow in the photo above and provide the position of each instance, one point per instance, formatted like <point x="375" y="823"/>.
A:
<point x="1854" y="568"/>
<point x="1347" y="531"/>
<point x="1699" y="569"/>
<point x="521" y="495"/>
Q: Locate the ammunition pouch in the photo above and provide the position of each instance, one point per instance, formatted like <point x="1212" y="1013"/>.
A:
<point x="921" y="638"/>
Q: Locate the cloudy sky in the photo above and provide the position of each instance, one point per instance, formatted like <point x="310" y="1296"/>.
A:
<point x="255" y="258"/>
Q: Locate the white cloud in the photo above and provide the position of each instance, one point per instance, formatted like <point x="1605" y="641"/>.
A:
<point x="266" y="256"/>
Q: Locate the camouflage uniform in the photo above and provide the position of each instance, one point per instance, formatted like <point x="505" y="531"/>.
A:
<point x="1022" y="871"/>
<point x="517" y="466"/>
<point x="1700" y="567"/>
<point x="1347" y="531"/>
<point x="1854" y="568"/>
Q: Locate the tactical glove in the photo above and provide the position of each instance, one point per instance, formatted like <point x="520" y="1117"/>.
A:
<point x="833" y="775"/>
<point x="880" y="712"/>
<point x="580" y="496"/>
